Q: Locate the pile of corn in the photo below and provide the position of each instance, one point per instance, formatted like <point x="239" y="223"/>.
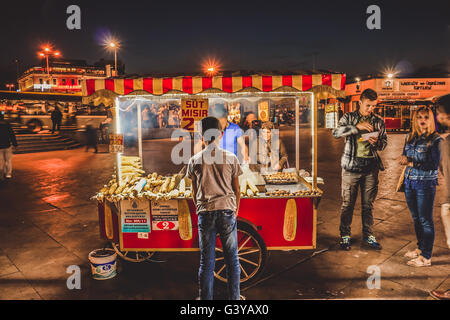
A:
<point x="134" y="185"/>
<point x="248" y="189"/>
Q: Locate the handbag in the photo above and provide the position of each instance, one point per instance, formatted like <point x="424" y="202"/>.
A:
<point x="401" y="181"/>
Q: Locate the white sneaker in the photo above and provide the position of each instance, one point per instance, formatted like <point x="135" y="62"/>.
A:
<point x="8" y="176"/>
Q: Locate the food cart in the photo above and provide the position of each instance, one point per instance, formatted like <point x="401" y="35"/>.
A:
<point x="397" y="117"/>
<point x="147" y="207"/>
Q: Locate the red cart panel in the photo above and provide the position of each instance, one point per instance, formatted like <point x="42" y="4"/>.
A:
<point x="266" y="215"/>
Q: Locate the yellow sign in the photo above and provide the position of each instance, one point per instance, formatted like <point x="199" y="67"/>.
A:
<point x="192" y="111"/>
<point x="331" y="108"/>
<point x="263" y="111"/>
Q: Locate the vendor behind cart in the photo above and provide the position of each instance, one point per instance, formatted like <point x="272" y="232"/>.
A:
<point x="233" y="139"/>
<point x="270" y="150"/>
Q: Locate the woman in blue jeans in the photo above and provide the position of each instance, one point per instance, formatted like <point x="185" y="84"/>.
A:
<point x="422" y="155"/>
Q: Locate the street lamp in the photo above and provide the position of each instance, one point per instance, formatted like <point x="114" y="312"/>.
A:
<point x="211" y="67"/>
<point x="10" y="86"/>
<point x="47" y="51"/>
<point x="113" y="45"/>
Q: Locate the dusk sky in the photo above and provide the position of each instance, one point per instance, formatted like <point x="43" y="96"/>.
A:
<point x="171" y="37"/>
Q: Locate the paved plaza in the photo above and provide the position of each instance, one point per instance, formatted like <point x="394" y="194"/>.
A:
<point x="48" y="222"/>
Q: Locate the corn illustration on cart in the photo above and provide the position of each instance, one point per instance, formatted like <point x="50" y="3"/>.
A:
<point x="147" y="208"/>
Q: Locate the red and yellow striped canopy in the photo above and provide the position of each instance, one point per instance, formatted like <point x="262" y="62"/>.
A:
<point x="194" y="85"/>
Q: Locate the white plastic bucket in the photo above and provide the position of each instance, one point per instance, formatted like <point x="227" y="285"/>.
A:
<point x="103" y="264"/>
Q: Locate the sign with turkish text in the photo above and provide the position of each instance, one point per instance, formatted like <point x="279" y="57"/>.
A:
<point x="135" y="216"/>
<point x="116" y="143"/>
<point x="192" y="111"/>
<point x="165" y="215"/>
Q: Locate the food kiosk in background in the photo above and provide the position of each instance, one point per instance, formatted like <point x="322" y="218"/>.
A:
<point x="147" y="206"/>
<point x="398" y="98"/>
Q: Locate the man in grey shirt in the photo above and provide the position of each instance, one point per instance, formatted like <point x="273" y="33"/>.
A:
<point x="215" y="189"/>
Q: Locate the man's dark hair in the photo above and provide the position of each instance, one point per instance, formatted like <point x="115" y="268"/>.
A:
<point x="443" y="104"/>
<point x="369" y="94"/>
<point x="210" y="123"/>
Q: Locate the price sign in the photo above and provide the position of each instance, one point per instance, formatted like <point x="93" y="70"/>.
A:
<point x="165" y="215"/>
<point x="116" y="143"/>
<point x="192" y="111"/>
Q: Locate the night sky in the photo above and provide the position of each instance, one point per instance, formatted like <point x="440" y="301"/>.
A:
<point x="170" y="37"/>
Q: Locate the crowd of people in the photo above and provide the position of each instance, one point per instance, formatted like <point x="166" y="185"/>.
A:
<point x="423" y="153"/>
<point x="164" y="116"/>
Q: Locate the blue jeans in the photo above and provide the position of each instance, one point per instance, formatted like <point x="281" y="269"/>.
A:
<point x="420" y="202"/>
<point x="210" y="224"/>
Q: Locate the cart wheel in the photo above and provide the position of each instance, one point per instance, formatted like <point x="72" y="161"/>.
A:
<point x="252" y="254"/>
<point x="132" y="256"/>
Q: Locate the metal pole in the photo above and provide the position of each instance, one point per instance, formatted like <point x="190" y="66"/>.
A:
<point x="48" y="69"/>
<point x="115" y="61"/>
<point x="139" y="118"/>
<point x="297" y="134"/>
<point x="118" y="131"/>
<point x="315" y="102"/>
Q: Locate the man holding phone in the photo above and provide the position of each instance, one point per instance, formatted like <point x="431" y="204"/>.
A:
<point x="361" y="165"/>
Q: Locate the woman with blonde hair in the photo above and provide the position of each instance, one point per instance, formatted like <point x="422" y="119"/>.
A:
<point x="422" y="155"/>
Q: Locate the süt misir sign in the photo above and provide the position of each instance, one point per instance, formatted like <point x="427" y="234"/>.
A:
<point x="192" y="111"/>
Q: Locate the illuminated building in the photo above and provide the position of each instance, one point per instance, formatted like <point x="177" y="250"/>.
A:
<point x="62" y="76"/>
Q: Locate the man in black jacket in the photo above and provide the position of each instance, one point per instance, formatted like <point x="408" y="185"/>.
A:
<point x="7" y="138"/>
<point x="56" y="119"/>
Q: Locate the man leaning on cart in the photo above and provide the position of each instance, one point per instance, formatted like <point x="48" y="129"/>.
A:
<point x="360" y="166"/>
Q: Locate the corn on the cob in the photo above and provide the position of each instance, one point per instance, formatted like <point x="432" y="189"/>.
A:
<point x="252" y="187"/>
<point x="290" y="221"/>
<point x="182" y="187"/>
<point x="171" y="184"/>
<point x="184" y="220"/>
<point x="112" y="189"/>
<point x="108" y="221"/>
<point x="165" y="185"/>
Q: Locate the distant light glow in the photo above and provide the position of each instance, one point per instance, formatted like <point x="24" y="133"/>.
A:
<point x="211" y="67"/>
<point x="111" y="43"/>
<point x="47" y="50"/>
<point x="390" y="72"/>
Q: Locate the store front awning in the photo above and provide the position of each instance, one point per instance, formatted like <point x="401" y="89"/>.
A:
<point x="107" y="89"/>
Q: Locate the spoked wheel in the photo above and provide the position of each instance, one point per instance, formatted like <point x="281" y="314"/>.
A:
<point x="132" y="256"/>
<point x="252" y="253"/>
